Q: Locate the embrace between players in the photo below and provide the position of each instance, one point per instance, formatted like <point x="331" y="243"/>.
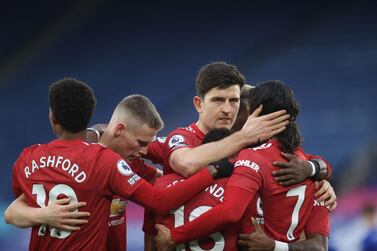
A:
<point x="195" y="198"/>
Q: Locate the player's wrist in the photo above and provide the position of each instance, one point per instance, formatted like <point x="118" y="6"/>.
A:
<point x="38" y="216"/>
<point x="281" y="246"/>
<point x="241" y="138"/>
<point x="321" y="169"/>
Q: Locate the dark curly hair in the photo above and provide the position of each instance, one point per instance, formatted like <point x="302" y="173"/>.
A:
<point x="72" y="102"/>
<point x="274" y="95"/>
<point x="218" y="74"/>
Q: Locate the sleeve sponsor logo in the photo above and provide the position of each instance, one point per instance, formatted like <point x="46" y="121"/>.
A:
<point x="247" y="163"/>
<point x="133" y="179"/>
<point x="177" y="140"/>
<point x="124" y="168"/>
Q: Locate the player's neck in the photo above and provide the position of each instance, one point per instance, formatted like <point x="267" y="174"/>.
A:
<point x="202" y="127"/>
<point x="66" y="135"/>
<point x="105" y="139"/>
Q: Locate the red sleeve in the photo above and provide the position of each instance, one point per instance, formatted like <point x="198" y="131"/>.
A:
<point x="155" y="151"/>
<point x="163" y="200"/>
<point x="16" y="185"/>
<point x="216" y="219"/>
<point x="114" y="176"/>
<point x="142" y="169"/>
<point x="244" y="183"/>
<point x="177" y="139"/>
<point x="247" y="172"/>
<point x="246" y="227"/>
<point x="329" y="167"/>
<point x="319" y="220"/>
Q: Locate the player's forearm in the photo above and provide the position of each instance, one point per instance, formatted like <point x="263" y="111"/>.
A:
<point x="189" y="161"/>
<point x="21" y="215"/>
<point x="162" y="201"/>
<point x="218" y="218"/>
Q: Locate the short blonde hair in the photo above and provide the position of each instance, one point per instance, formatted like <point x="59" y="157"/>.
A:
<point x="137" y="110"/>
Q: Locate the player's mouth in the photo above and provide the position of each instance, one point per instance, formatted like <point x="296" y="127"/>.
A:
<point x="225" y="120"/>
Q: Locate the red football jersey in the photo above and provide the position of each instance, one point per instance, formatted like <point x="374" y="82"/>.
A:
<point x="80" y="171"/>
<point x="117" y="237"/>
<point x="190" y="137"/>
<point x="319" y="220"/>
<point x="225" y="240"/>
<point x="156" y="150"/>
<point x="286" y="209"/>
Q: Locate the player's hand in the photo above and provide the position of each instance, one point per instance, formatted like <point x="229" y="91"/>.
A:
<point x="293" y="172"/>
<point x="163" y="238"/>
<point x="62" y="215"/>
<point x="325" y="192"/>
<point x="257" y="240"/>
<point x="258" y="129"/>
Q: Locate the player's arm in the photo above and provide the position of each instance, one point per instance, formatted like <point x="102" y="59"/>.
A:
<point x="163" y="200"/>
<point x="259" y="241"/>
<point x="296" y="170"/>
<point x="59" y="214"/>
<point x="187" y="161"/>
<point x="214" y="220"/>
<point x="144" y="170"/>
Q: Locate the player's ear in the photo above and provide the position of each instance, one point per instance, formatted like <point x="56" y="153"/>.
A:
<point x="52" y="118"/>
<point x="198" y="103"/>
<point x="119" y="129"/>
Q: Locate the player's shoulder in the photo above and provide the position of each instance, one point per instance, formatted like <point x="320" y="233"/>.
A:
<point x="256" y="156"/>
<point x="260" y="150"/>
<point x="187" y="130"/>
<point x="31" y="148"/>
<point x="178" y="137"/>
<point x="102" y="150"/>
<point x="28" y="152"/>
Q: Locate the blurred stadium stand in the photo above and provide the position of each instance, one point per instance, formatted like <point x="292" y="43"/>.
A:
<point x="327" y="52"/>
